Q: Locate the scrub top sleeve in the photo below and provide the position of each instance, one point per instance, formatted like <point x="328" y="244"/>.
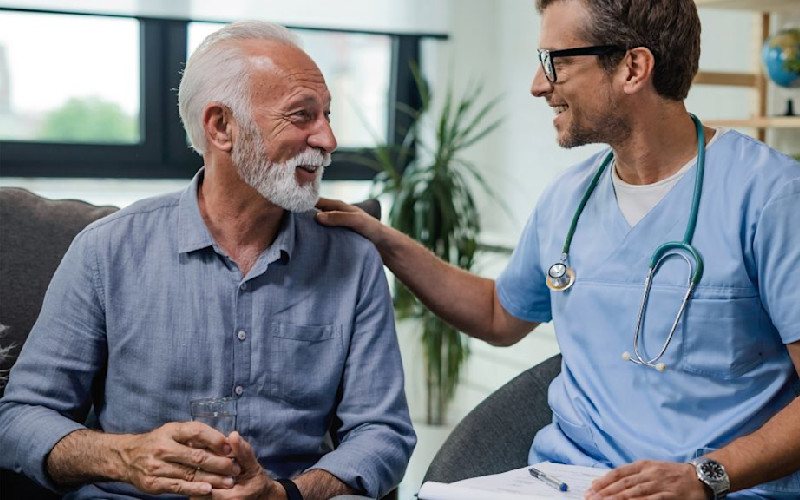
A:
<point x="777" y="252"/>
<point x="521" y="287"/>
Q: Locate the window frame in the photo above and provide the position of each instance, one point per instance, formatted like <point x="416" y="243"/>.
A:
<point x="162" y="152"/>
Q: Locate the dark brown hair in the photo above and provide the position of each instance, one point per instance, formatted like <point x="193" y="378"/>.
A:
<point x="669" y="28"/>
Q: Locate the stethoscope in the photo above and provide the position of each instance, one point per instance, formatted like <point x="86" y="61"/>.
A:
<point x="560" y="276"/>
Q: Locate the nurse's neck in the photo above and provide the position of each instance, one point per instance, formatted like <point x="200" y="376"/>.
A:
<point x="658" y="146"/>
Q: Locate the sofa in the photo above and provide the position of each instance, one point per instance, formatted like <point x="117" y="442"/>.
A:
<point x="35" y="232"/>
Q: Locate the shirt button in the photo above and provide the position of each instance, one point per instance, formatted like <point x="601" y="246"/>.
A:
<point x="241" y="335"/>
<point x="243" y="287"/>
<point x="239" y="390"/>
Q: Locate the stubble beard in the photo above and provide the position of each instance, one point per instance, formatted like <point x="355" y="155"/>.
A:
<point x="608" y="127"/>
<point x="276" y="181"/>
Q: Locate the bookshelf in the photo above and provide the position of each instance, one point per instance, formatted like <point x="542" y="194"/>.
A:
<point x="758" y="81"/>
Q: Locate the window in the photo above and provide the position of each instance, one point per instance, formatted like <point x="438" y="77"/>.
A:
<point x="48" y="94"/>
<point x="127" y="70"/>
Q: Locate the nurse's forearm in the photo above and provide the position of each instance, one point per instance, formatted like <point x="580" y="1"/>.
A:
<point x="771" y="452"/>
<point x="466" y="301"/>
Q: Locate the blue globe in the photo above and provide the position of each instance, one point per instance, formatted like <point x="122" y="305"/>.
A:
<point x="781" y="56"/>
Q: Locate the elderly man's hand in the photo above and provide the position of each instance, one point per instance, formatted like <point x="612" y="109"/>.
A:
<point x="252" y="482"/>
<point x="339" y="213"/>
<point x="649" y="479"/>
<point x="188" y="458"/>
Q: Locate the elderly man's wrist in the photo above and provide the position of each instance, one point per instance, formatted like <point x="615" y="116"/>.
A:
<point x="274" y="492"/>
<point x="285" y="489"/>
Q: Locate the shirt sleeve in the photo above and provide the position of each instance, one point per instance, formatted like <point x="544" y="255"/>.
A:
<point x="521" y="286"/>
<point x="375" y="434"/>
<point x="50" y="385"/>
<point x="776" y="247"/>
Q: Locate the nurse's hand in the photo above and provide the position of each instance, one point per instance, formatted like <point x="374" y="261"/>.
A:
<point x="339" y="213"/>
<point x="649" y="479"/>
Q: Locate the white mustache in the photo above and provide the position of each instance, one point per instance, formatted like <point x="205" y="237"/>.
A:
<point x="310" y="157"/>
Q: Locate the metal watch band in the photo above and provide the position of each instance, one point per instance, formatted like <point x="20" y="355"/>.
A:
<point x="292" y="493"/>
<point x="719" y="488"/>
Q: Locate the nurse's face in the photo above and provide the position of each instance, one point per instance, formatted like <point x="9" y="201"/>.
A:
<point x="586" y="105"/>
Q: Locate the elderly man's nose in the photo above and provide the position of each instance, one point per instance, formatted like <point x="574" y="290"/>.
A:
<point x="323" y="137"/>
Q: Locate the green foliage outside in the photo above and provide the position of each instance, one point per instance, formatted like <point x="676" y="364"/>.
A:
<point x="89" y="119"/>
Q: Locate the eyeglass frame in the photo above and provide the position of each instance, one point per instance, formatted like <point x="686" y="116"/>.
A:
<point x="546" y="57"/>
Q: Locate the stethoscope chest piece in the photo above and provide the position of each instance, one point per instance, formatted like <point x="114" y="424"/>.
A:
<point x="560" y="277"/>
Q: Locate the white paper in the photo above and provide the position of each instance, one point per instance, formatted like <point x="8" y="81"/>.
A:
<point x="516" y="484"/>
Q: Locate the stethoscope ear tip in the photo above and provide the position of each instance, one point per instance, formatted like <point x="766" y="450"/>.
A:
<point x="626" y="356"/>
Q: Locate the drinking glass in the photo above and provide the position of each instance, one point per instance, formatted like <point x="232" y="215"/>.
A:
<point x="219" y="413"/>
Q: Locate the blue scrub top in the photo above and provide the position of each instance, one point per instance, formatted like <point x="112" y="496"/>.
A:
<point x="728" y="370"/>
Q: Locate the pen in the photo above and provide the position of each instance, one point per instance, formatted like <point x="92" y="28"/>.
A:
<point x="548" y="479"/>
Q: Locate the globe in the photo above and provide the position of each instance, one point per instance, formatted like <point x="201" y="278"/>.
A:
<point x="781" y="56"/>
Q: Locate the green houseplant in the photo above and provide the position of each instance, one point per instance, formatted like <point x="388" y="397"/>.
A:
<point x="431" y="184"/>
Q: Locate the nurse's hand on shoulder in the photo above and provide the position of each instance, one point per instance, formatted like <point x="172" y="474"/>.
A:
<point x="339" y="213"/>
<point x="649" y="479"/>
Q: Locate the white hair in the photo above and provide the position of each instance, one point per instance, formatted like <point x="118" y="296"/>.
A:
<point x="218" y="71"/>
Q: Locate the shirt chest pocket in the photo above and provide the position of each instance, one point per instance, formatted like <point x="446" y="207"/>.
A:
<point x="305" y="363"/>
<point x="726" y="337"/>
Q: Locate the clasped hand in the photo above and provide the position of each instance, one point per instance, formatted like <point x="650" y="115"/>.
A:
<point x="193" y="459"/>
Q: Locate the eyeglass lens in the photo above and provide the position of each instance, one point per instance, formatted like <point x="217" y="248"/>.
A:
<point x="547" y="65"/>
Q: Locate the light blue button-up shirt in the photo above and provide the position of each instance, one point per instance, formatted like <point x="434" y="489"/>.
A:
<point x="146" y="312"/>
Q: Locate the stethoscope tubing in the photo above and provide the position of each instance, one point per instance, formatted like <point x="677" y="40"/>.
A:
<point x="560" y="276"/>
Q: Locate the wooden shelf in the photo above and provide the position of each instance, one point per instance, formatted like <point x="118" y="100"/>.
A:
<point x="758" y="122"/>
<point x="728" y="79"/>
<point x="756" y="81"/>
<point x="754" y="5"/>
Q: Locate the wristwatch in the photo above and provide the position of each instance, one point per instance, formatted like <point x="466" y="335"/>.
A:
<point x="712" y="474"/>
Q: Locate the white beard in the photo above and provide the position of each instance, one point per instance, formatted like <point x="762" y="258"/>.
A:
<point x="277" y="181"/>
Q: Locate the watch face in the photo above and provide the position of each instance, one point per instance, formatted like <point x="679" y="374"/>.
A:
<point x="713" y="471"/>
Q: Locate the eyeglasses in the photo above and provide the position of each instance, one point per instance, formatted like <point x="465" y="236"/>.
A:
<point x="546" y="57"/>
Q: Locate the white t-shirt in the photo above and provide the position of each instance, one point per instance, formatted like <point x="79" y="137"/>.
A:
<point x="635" y="201"/>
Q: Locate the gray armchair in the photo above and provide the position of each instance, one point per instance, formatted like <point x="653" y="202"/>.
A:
<point x="35" y="233"/>
<point x="497" y="434"/>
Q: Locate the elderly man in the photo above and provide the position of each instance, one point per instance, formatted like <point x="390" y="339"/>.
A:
<point x="691" y="391"/>
<point x="226" y="289"/>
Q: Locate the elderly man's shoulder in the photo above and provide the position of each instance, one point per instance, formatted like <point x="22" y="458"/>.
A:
<point x="157" y="207"/>
<point x="337" y="236"/>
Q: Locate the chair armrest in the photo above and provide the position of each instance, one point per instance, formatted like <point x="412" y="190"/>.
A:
<point x="497" y="434"/>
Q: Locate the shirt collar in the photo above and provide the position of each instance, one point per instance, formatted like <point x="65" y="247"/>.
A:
<point x="194" y="235"/>
<point x="192" y="231"/>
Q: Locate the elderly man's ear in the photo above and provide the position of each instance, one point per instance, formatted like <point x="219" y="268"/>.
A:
<point x="219" y="126"/>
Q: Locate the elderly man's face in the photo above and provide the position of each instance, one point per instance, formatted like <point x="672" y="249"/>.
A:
<point x="283" y="151"/>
